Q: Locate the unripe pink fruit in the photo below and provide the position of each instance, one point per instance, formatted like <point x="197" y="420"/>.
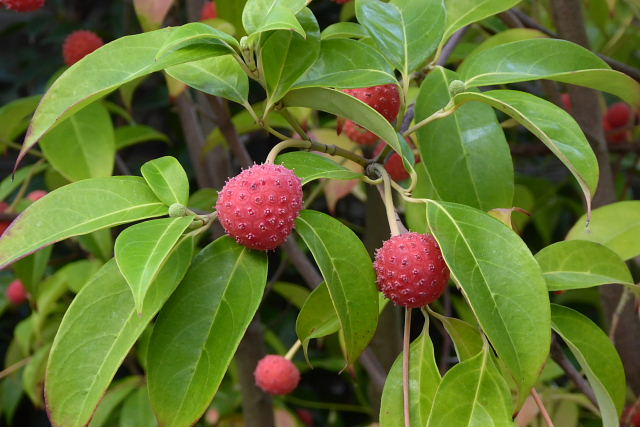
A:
<point x="410" y="269"/>
<point x="23" y="5"/>
<point x="16" y="292"/>
<point x="276" y="375"/>
<point x="258" y="207"/>
<point x="79" y="44"/>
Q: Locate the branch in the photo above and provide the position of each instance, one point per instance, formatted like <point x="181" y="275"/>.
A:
<point x="223" y="119"/>
<point x="557" y="354"/>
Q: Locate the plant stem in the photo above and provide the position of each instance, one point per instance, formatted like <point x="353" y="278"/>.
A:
<point x="557" y="354"/>
<point x="293" y="350"/>
<point x="444" y="112"/>
<point x="284" y="112"/>
<point x="405" y="367"/>
<point x="21" y="191"/>
<point x="13" y="368"/>
<point x="615" y="317"/>
<point x="543" y="410"/>
<point x="332" y="150"/>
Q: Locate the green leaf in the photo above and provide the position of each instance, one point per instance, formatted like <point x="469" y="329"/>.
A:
<point x="99" y="243"/>
<point x="13" y="115"/>
<point x="142" y="250"/>
<point x="616" y="226"/>
<point x="466" y="338"/>
<point x="219" y="76"/>
<point x="424" y="379"/>
<point x="309" y="166"/>
<point x="406" y="31"/>
<point x="502" y="283"/>
<point x="265" y="15"/>
<point x="344" y="64"/>
<point x="231" y="11"/>
<point x="98" y="330"/>
<point x="137" y="411"/>
<point x="11" y="183"/>
<point x="97" y="75"/>
<point x="314" y="320"/>
<point x="203" y="199"/>
<point x="348" y="273"/>
<point x="464" y="12"/>
<point x="466" y="154"/>
<point x="33" y="375"/>
<point x="82" y="146"/>
<point x="118" y="391"/>
<point x="344" y="30"/>
<point x="472" y="393"/>
<point x="78" y="208"/>
<point x="598" y="358"/>
<point x="503" y="37"/>
<point x="201" y="36"/>
<point x="167" y="179"/>
<point x="31" y="269"/>
<point x="200" y="327"/>
<point x="295" y="294"/>
<point x="576" y="264"/>
<point x="285" y="56"/>
<point x="76" y="274"/>
<point x="552" y="59"/>
<point x="126" y="136"/>
<point x="553" y="126"/>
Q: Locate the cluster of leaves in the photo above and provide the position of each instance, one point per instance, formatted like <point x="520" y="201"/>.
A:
<point x="188" y="307"/>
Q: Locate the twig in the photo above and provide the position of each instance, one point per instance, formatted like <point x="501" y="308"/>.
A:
<point x="223" y="119"/>
<point x="541" y="407"/>
<point x="557" y="354"/>
<point x="13" y="368"/>
<point x="446" y="345"/>
<point x="406" y="356"/>
<point x="305" y="267"/>
<point x="332" y="150"/>
<point x="122" y="166"/>
<point x="615" y="317"/>
<point x="376" y="372"/>
<point x="451" y="45"/>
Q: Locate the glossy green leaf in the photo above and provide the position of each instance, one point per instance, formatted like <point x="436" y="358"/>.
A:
<point x="231" y="11"/>
<point x="348" y="272"/>
<point x="286" y="55"/>
<point x="219" y="76"/>
<point x="126" y="136"/>
<point x="83" y="145"/>
<point x="616" y="226"/>
<point x="31" y="269"/>
<point x="78" y="208"/>
<point x="136" y="410"/>
<point x="314" y="320"/>
<point x="553" y="126"/>
<point x="598" y="358"/>
<point x="406" y="31"/>
<point x="74" y="89"/>
<point x="265" y="15"/>
<point x="200" y="327"/>
<point x="33" y="375"/>
<point x="502" y="283"/>
<point x="575" y="264"/>
<point x="142" y="250"/>
<point x="472" y="393"/>
<point x="295" y="294"/>
<point x="76" y="274"/>
<point x="552" y="59"/>
<point x="200" y="36"/>
<point x="467" y="339"/>
<point x="464" y="12"/>
<point x="98" y="330"/>
<point x="466" y="154"/>
<point x="12" y="183"/>
<point x="99" y="243"/>
<point x="13" y="116"/>
<point x="424" y="379"/>
<point x="503" y="37"/>
<point x="345" y="63"/>
<point x="309" y="166"/>
<point x="342" y="30"/>
<point x="167" y="179"/>
<point x="118" y="391"/>
<point x="204" y="199"/>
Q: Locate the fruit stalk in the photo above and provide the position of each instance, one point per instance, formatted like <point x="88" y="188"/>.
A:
<point x="315" y="146"/>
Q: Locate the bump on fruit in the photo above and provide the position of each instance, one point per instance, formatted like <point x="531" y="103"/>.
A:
<point x="258" y="207"/>
<point x="16" y="292"/>
<point x="23" y="5"/>
<point x="385" y="99"/>
<point x="276" y="375"/>
<point x="410" y="269"/>
<point x="209" y="11"/>
<point x="79" y="44"/>
<point x="358" y="134"/>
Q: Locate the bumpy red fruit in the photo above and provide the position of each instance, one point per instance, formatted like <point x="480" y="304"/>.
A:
<point x="209" y="11"/>
<point x="258" y="207"/>
<point x="23" y="5"/>
<point x="394" y="165"/>
<point x="79" y="44"/>
<point x="358" y="134"/>
<point x="276" y="375"/>
<point x="16" y="292"/>
<point x="410" y="269"/>
<point x="385" y="99"/>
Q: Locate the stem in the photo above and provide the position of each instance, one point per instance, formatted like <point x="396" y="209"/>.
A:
<point x="388" y="199"/>
<point x="21" y="192"/>
<point x="405" y="367"/>
<point x="16" y="146"/>
<point x="615" y="318"/>
<point x="294" y="123"/>
<point x="557" y="354"/>
<point x="293" y="350"/>
<point x="332" y="150"/>
<point x="444" y="112"/>
<point x="543" y="410"/>
<point x="13" y="368"/>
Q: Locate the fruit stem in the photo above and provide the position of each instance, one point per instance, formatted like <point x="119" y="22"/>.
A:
<point x="405" y="366"/>
<point x="441" y="113"/>
<point x="294" y="123"/>
<point x="316" y="146"/>
<point x="388" y="199"/>
<point x="543" y="410"/>
<point x="293" y="350"/>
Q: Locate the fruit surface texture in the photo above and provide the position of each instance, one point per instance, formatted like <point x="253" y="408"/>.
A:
<point x="276" y="375"/>
<point x="79" y="44"/>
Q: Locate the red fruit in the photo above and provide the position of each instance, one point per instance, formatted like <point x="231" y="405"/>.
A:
<point x="618" y="115"/>
<point x="614" y="137"/>
<point x="305" y="416"/>
<point x="358" y="134"/>
<point x="23" y="5"/>
<point x="566" y="101"/>
<point x="36" y="195"/>
<point x="410" y="269"/>
<point x="276" y="375"/>
<point x="16" y="292"/>
<point x="385" y="99"/>
<point x="559" y="292"/>
<point x="79" y="44"/>
<point x="631" y="416"/>
<point x="258" y="207"/>
<point x="394" y="165"/>
<point x="3" y="224"/>
<point x="209" y="11"/>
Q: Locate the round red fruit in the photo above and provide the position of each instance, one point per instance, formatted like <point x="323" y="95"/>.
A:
<point x="618" y="115"/>
<point x="394" y="165"/>
<point x="36" y="195"/>
<point x="358" y="134"/>
<point x="79" y="44"/>
<point x="410" y="269"/>
<point x="16" y="292"/>
<point x="23" y="5"/>
<point x="209" y="11"/>
<point x="566" y="102"/>
<point x="258" y="207"/>
<point x="276" y="375"/>
<point x="385" y="99"/>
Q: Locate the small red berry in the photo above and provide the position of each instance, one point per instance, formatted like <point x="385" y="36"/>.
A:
<point x="258" y="207"/>
<point x="79" y="44"/>
<point x="36" y="195"/>
<point x="613" y="136"/>
<point x="209" y="11"/>
<point x="23" y="5"/>
<point x="305" y="416"/>
<point x="276" y="375"/>
<point x="394" y="164"/>
<point x="16" y="292"/>
<point x="385" y="99"/>
<point x="358" y="134"/>
<point x="618" y="115"/>
<point x="410" y="269"/>
<point x="3" y="224"/>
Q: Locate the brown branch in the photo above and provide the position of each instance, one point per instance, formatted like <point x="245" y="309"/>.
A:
<point x="450" y="46"/>
<point x="557" y="354"/>
<point x="307" y="270"/>
<point x="223" y="119"/>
